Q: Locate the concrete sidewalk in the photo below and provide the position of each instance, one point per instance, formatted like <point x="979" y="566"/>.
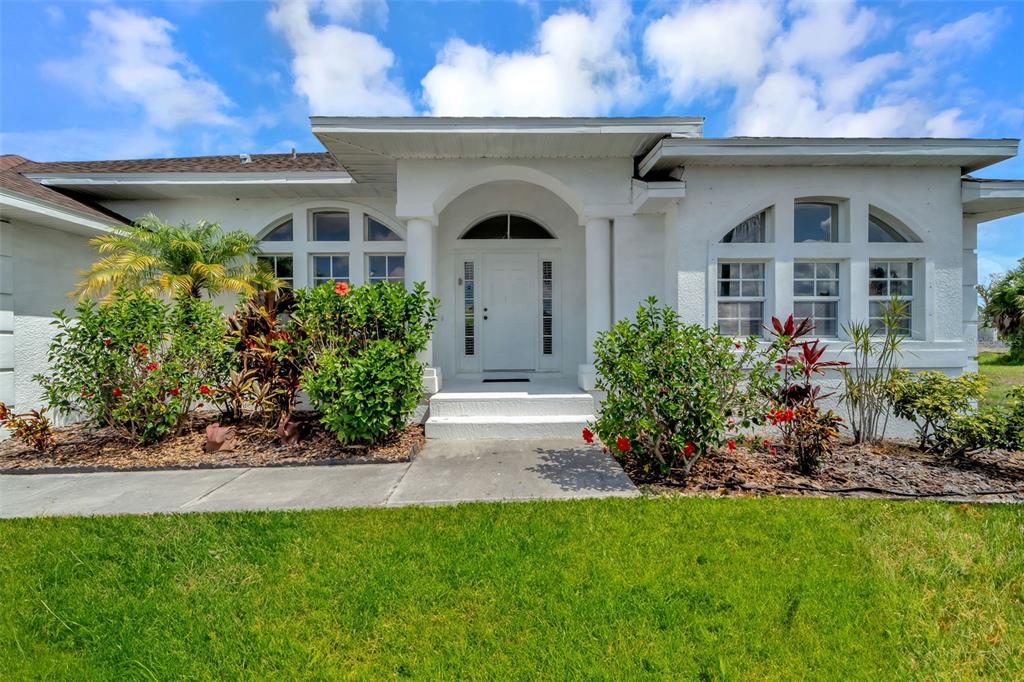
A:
<point x="444" y="473"/>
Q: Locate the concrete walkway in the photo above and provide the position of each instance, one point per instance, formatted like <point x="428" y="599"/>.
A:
<point x="445" y="472"/>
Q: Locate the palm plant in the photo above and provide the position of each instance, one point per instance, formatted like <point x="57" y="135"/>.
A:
<point x="184" y="261"/>
<point x="1004" y="307"/>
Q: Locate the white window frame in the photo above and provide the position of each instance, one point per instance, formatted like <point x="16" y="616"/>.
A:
<point x="915" y="274"/>
<point x="387" y="266"/>
<point x="763" y="299"/>
<point x="332" y="255"/>
<point x="302" y="248"/>
<point x="836" y="300"/>
<point x="274" y="261"/>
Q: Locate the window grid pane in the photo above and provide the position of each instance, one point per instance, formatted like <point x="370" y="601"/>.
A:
<point x="741" y="289"/>
<point x="281" y="266"/>
<point x="377" y="231"/>
<point x="330" y="226"/>
<point x="330" y="267"/>
<point x="889" y="279"/>
<point x="816" y="295"/>
<point x="815" y="222"/>
<point x="385" y="268"/>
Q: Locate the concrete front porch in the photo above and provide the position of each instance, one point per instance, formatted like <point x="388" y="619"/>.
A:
<point x="467" y="408"/>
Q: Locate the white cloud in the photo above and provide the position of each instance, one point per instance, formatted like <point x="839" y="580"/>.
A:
<point x="579" y="65"/>
<point x="701" y="48"/>
<point x="130" y="58"/>
<point x="338" y="70"/>
<point x="973" y="32"/>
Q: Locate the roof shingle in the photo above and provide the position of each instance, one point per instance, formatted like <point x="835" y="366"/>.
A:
<point x="11" y="179"/>
<point x="259" y="163"/>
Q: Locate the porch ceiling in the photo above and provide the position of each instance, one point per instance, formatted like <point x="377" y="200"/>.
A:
<point x="369" y="147"/>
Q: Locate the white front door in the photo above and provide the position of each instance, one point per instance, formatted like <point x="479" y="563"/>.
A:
<point x="510" y="311"/>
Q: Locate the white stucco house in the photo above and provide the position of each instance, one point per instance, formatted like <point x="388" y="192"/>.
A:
<point x="536" y="233"/>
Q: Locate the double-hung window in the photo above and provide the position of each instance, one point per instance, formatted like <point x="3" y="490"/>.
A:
<point x="816" y="295"/>
<point x="887" y="280"/>
<point x="741" y="297"/>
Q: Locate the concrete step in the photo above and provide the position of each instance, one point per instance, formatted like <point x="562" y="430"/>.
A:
<point x="507" y="427"/>
<point x="509" y="404"/>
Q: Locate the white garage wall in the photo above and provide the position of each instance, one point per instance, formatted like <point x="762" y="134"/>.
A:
<point x="45" y="267"/>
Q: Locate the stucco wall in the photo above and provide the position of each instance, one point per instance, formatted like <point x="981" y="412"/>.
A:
<point x="927" y="200"/>
<point x="45" y="267"/>
<point x="638" y="260"/>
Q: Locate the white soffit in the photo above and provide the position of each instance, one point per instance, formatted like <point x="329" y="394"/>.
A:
<point x="992" y="199"/>
<point x="369" y="147"/>
<point x="966" y="154"/>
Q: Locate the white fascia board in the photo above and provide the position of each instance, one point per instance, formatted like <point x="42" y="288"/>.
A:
<point x="984" y="201"/>
<point x="99" y="179"/>
<point x="509" y="125"/>
<point x="53" y="212"/>
<point x="678" y="151"/>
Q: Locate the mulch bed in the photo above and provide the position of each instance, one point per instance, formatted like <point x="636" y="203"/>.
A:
<point x="82" y="448"/>
<point x="890" y="469"/>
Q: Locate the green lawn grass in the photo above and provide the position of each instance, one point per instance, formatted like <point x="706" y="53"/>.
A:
<point x="1001" y="376"/>
<point x="683" y="588"/>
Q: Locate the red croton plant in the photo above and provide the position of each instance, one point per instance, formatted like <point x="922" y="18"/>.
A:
<point x="807" y="431"/>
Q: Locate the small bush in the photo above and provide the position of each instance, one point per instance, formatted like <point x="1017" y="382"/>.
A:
<point x="136" y="364"/>
<point x="807" y="431"/>
<point x="675" y="391"/>
<point x="33" y="428"/>
<point x="990" y="428"/>
<point x="358" y="347"/>
<point x="931" y="399"/>
<point x="266" y="368"/>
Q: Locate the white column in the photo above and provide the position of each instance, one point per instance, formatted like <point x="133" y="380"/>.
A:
<point x="599" y="290"/>
<point x="970" y="294"/>
<point x="419" y="267"/>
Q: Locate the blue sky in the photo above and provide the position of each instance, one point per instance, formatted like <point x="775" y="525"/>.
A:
<point x="116" y="79"/>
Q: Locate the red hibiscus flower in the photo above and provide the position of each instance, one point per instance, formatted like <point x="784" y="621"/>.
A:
<point x="738" y="344"/>
<point x="175" y="392"/>
<point x="153" y="366"/>
<point x="622" y="443"/>
<point x="106" y="342"/>
<point x="588" y="436"/>
<point x="142" y="349"/>
<point x="731" y="445"/>
<point x="116" y="392"/>
<point x="688" y="449"/>
<point x="765" y="442"/>
<point x="204" y="389"/>
<point x="341" y="288"/>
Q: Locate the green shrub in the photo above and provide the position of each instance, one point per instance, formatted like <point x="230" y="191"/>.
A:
<point x="358" y="347"/>
<point x="136" y="364"/>
<point x="674" y="391"/>
<point x="930" y="399"/>
<point x="994" y="427"/>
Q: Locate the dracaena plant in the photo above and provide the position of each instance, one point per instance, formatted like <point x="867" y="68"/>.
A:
<point x="808" y="432"/>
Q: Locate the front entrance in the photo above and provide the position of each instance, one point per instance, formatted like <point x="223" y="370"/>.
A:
<point x="510" y="316"/>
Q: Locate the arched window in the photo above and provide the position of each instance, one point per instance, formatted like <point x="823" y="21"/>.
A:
<point x="884" y="230"/>
<point x="507" y="226"/>
<point x="341" y="243"/>
<point x="753" y="230"/>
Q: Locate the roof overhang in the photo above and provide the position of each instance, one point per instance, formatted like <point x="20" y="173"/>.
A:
<point x="369" y="147"/>
<point x="992" y="199"/>
<point x="967" y="154"/>
<point x="14" y="206"/>
<point x="182" y="185"/>
<point x="656" y="197"/>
